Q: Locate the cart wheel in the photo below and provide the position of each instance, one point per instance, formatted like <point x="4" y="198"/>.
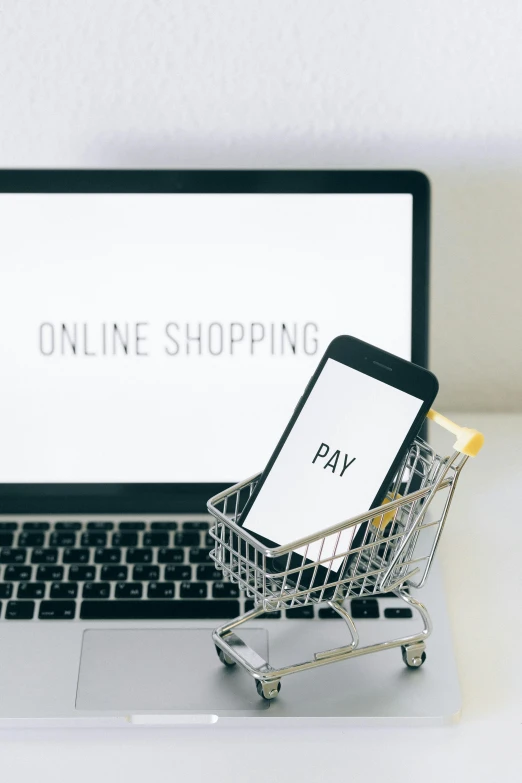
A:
<point x="269" y="690"/>
<point x="411" y="657"/>
<point x="225" y="659"/>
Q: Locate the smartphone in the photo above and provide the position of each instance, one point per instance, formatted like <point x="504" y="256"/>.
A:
<point x="355" y="421"/>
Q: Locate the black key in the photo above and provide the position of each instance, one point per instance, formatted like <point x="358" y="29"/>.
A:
<point x="157" y="538"/>
<point x="163" y="525"/>
<point x="94" y="538"/>
<point x="49" y="573"/>
<point x="364" y="607"/>
<point x="170" y="555"/>
<point x="63" y="538"/>
<point x="19" y="610"/>
<point x="31" y="539"/>
<point x="201" y="525"/>
<point x="68" y="526"/>
<point x="44" y="556"/>
<point x="198" y="555"/>
<point x="64" y="590"/>
<point x="209" y="541"/>
<point x="57" y="610"/>
<point x="100" y="525"/>
<point x="187" y="538"/>
<point x="306" y="612"/>
<point x="132" y="526"/>
<point x="6" y="539"/>
<point x="96" y="590"/>
<point x="36" y="525"/>
<point x="129" y="590"/>
<point x="113" y="573"/>
<point x="137" y="555"/>
<point x="178" y="573"/>
<point x="401" y="612"/>
<point x="79" y="573"/>
<point x="145" y="573"/>
<point x="209" y="573"/>
<point x="6" y="590"/>
<point x="249" y="605"/>
<point x="18" y="573"/>
<point x="159" y="610"/>
<point x="125" y="539"/>
<point x="75" y="555"/>
<point x="326" y="613"/>
<point x="107" y="556"/>
<point x="161" y="590"/>
<point x="31" y="590"/>
<point x="225" y="590"/>
<point x="9" y="555"/>
<point x="193" y="590"/>
<point x="9" y="526"/>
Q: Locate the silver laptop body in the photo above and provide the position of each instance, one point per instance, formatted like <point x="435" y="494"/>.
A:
<point x="157" y="329"/>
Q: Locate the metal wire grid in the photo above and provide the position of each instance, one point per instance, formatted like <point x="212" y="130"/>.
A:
<point x="397" y="544"/>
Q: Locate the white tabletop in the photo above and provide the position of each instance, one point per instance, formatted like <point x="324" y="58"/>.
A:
<point x="480" y="555"/>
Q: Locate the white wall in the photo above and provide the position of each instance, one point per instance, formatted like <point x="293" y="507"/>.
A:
<point x="435" y="85"/>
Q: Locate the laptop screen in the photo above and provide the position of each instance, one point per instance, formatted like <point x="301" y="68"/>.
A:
<point x="167" y="337"/>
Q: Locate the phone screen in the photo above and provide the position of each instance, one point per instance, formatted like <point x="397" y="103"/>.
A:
<point x="334" y="460"/>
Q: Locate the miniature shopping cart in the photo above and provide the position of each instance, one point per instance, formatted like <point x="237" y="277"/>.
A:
<point x="386" y="550"/>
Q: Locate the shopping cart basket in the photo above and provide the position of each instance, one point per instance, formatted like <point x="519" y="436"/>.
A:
<point x="393" y="552"/>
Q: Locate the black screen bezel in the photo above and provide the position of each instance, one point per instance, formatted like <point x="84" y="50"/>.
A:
<point x="164" y="498"/>
<point x="380" y="365"/>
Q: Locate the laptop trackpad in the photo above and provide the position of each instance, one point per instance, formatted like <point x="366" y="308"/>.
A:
<point x="165" y="669"/>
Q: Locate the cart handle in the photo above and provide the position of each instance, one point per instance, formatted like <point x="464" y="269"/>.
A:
<point x="468" y="441"/>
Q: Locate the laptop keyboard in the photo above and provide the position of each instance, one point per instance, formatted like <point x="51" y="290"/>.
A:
<point x="126" y="570"/>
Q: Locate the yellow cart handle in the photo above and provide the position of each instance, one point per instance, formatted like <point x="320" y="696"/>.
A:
<point x="468" y="441"/>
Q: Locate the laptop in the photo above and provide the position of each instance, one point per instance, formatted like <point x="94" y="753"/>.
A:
<point x="156" y="331"/>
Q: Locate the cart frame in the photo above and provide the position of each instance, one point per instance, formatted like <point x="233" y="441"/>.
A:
<point x="388" y="559"/>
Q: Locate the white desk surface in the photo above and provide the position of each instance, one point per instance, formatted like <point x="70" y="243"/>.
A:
<point x="481" y="559"/>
